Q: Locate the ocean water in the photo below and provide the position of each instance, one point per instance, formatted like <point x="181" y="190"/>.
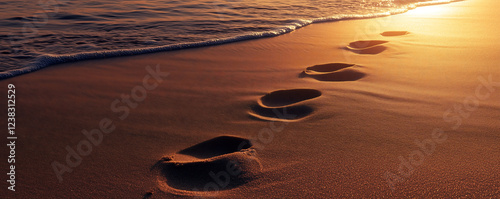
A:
<point x="37" y="34"/>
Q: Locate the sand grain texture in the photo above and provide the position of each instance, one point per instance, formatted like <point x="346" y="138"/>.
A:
<point x="356" y="133"/>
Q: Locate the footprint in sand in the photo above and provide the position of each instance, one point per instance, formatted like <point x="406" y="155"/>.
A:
<point x="221" y="163"/>
<point x="286" y="98"/>
<point x="333" y="72"/>
<point x="394" y="33"/>
<point x="287" y="114"/>
<point x="284" y="105"/>
<point x="367" y="46"/>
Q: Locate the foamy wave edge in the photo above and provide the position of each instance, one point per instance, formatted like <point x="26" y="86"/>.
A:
<point x="50" y="59"/>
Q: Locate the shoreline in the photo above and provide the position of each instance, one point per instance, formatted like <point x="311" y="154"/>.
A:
<point x="48" y="60"/>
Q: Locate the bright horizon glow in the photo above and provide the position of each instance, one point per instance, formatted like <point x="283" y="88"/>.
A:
<point x="430" y="11"/>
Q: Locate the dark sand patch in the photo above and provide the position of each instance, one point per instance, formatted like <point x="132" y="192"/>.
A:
<point x="284" y="98"/>
<point x="218" y="146"/>
<point x="365" y="44"/>
<point x="340" y="76"/>
<point x="394" y="33"/>
<point x="333" y="72"/>
<point x="368" y="51"/>
<point x="326" y="68"/>
<point x="286" y="114"/>
<point x="147" y="195"/>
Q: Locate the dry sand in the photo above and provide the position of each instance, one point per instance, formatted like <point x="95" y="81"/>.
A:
<point x="346" y="132"/>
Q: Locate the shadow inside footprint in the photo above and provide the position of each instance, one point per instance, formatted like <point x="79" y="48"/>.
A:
<point x="394" y="33"/>
<point x="221" y="163"/>
<point x="147" y="195"/>
<point x="217" y="146"/>
<point x="369" y="51"/>
<point x="280" y="114"/>
<point x="333" y="72"/>
<point x="223" y="173"/>
<point x="344" y="75"/>
<point x="326" y="68"/>
<point x="283" y="98"/>
<point x="364" y="44"/>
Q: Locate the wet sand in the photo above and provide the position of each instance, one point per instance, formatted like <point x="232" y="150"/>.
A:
<point x="343" y="109"/>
